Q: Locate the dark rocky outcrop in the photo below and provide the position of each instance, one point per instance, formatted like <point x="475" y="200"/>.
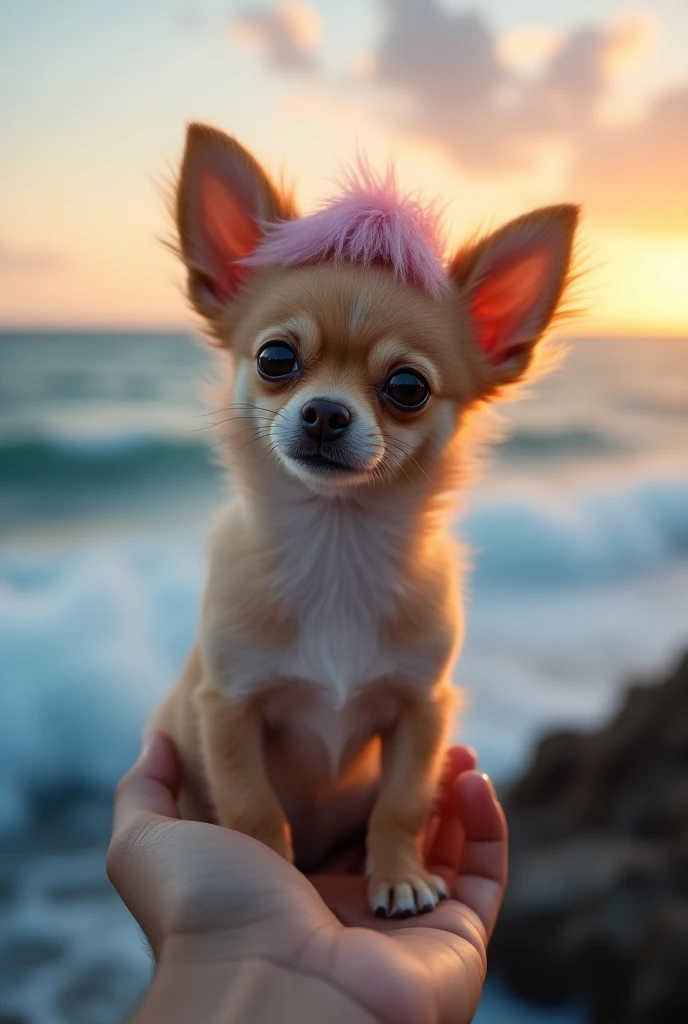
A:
<point x="597" y="905"/>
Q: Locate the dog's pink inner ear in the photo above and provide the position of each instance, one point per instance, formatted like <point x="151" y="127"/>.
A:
<point x="230" y="232"/>
<point x="507" y="302"/>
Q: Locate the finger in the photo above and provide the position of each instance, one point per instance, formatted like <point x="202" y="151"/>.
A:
<point x="458" y="760"/>
<point x="151" y="786"/>
<point x="482" y="868"/>
<point x="145" y="798"/>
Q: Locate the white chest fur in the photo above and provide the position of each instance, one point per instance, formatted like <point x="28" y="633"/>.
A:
<point x="337" y="576"/>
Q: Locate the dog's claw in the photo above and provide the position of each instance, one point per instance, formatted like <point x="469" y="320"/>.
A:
<point x="413" y="894"/>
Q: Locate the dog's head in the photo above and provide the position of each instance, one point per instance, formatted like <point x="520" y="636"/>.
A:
<point x="356" y="348"/>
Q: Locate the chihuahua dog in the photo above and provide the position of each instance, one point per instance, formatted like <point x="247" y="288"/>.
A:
<point x="317" y="700"/>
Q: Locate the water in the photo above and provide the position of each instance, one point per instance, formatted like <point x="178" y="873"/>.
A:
<point x="579" y="532"/>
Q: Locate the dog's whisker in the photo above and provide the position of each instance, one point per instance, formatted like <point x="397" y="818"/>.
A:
<point x="236" y="433"/>
<point x="384" y="470"/>
<point x="390" y="460"/>
<point x="247" y="405"/>
<point x="224" y="440"/>
<point x="399" y="465"/>
<point x="219" y="423"/>
<point x="258" y="408"/>
<point x="268" y="450"/>
<point x="401" y="446"/>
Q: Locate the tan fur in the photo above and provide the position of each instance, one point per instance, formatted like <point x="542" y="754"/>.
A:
<point x="232" y="741"/>
<point x="319" y="694"/>
<point x="412" y="762"/>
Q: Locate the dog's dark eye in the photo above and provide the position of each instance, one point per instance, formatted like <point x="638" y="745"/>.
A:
<point x="407" y="389"/>
<point x="277" y="359"/>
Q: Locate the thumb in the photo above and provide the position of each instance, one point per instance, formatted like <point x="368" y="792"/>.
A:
<point x="145" y="799"/>
<point x="150" y="787"/>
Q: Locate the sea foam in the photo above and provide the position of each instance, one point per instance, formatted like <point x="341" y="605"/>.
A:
<point x="564" y="601"/>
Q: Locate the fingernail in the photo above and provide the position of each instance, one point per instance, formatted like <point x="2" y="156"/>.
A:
<point x="490" y="783"/>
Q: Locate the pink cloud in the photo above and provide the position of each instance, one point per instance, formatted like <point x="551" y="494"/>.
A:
<point x="638" y="174"/>
<point x="288" y="33"/>
<point x="495" y="105"/>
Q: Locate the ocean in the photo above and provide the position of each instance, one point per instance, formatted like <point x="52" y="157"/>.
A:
<point x="578" y="531"/>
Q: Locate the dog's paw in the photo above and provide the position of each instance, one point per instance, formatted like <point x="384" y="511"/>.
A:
<point x="409" y="893"/>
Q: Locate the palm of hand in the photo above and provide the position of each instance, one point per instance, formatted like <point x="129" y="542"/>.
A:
<point x="191" y="881"/>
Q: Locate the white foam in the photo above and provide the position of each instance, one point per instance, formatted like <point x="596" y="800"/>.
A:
<point x="566" y="603"/>
<point x="88" y="643"/>
<point x="533" y="539"/>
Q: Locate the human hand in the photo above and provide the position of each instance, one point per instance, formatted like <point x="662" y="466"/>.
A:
<point x="239" y="934"/>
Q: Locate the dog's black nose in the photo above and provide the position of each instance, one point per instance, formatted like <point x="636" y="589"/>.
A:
<point x="323" y="420"/>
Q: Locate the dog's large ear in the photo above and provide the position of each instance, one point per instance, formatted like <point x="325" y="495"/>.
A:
<point x="224" y="198"/>
<point x="513" y="282"/>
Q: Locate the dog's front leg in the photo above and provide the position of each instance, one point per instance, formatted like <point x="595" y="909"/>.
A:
<point x="233" y="750"/>
<point x="412" y="750"/>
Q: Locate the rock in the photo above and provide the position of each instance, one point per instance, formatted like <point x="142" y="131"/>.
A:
<point x="660" y="991"/>
<point x="597" y="904"/>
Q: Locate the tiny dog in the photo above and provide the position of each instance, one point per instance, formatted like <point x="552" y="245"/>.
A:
<point x="317" y="700"/>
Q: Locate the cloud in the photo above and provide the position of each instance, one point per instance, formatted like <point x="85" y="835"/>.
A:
<point x="447" y="66"/>
<point x="468" y="91"/>
<point x="636" y="31"/>
<point x="493" y="105"/>
<point x="288" y="34"/>
<point x="29" y="261"/>
<point x="527" y="46"/>
<point x="499" y="106"/>
<point x="638" y="174"/>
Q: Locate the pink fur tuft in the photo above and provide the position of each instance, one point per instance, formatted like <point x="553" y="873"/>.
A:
<point x="368" y="223"/>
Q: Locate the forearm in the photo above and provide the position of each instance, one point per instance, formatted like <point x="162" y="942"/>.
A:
<point x="252" y="991"/>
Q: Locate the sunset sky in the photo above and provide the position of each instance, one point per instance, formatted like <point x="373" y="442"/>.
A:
<point x="492" y="106"/>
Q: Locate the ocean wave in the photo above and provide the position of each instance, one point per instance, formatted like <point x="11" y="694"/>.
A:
<point x="553" y="443"/>
<point x="593" y="536"/>
<point x="89" y="641"/>
<point x="66" y="455"/>
<point x="70" y="456"/>
<point x="521" y="539"/>
<point x="92" y="636"/>
<point x="51" y="481"/>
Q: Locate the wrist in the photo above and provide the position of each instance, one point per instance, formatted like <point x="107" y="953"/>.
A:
<point x="189" y="985"/>
<point x="203" y="985"/>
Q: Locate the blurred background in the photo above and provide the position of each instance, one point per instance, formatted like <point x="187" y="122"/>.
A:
<point x="579" y="526"/>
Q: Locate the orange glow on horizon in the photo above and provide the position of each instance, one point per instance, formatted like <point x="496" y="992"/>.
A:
<point x="630" y="285"/>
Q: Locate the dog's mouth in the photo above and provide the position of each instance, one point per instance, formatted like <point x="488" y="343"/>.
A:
<point x="324" y="464"/>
